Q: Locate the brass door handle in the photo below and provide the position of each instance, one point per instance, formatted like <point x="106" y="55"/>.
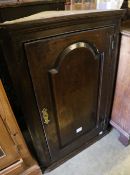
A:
<point x="45" y="116"/>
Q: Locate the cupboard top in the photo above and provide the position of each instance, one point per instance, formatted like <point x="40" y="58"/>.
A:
<point x="55" y="16"/>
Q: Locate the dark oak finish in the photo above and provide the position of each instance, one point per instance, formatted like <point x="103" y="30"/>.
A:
<point x="71" y="74"/>
<point x="64" y="77"/>
<point x="121" y="109"/>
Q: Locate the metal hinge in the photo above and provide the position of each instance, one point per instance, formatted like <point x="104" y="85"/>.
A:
<point x="104" y="123"/>
<point x="113" y="42"/>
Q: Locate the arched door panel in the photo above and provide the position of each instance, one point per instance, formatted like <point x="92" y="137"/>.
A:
<point x="74" y="81"/>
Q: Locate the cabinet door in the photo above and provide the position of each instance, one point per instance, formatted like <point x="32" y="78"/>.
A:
<point x="69" y="75"/>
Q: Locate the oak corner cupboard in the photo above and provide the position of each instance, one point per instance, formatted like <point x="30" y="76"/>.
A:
<point x="62" y="66"/>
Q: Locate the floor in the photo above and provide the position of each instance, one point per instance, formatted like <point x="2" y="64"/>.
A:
<point x="106" y="157"/>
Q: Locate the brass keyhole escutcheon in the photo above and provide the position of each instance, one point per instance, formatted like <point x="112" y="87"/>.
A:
<point x="45" y="116"/>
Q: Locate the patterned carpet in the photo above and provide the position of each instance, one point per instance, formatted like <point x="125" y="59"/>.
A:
<point x="106" y="157"/>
